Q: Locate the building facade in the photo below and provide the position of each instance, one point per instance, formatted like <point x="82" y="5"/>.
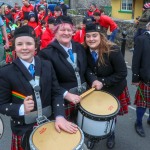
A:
<point x="127" y="9"/>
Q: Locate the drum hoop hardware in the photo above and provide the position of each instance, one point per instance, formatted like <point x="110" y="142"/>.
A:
<point x="97" y="117"/>
<point x="41" y="120"/>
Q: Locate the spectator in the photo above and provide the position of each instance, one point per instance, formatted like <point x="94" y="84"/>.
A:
<point x="93" y="8"/>
<point x="57" y="12"/>
<point x="143" y="20"/>
<point x="47" y="35"/>
<point x="26" y="8"/>
<point x="80" y="34"/>
<point x="63" y="7"/>
<point x="31" y="20"/>
<point x="6" y="46"/>
<point x="107" y="23"/>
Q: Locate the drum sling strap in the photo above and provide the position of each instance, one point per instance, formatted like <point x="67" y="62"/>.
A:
<point x="41" y="118"/>
<point x="35" y="116"/>
<point x="81" y="87"/>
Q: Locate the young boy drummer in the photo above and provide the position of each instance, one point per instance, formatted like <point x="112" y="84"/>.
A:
<point x="17" y="98"/>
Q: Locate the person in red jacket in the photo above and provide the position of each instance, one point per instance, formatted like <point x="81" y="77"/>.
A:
<point x="106" y="22"/>
<point x="57" y="12"/>
<point x="16" y="7"/>
<point x="48" y="35"/>
<point x="49" y="15"/>
<point x="31" y="20"/>
<point x="26" y="8"/>
<point x="92" y="10"/>
<point x="80" y="34"/>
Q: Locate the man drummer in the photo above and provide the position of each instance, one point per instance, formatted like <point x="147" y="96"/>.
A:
<point x="17" y="96"/>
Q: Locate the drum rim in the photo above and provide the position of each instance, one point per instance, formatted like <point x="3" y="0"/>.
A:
<point x="103" y="117"/>
<point x="80" y="144"/>
<point x="3" y="127"/>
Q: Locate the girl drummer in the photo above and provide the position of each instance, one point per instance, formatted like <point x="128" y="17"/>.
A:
<point x="17" y="98"/>
<point x="107" y="63"/>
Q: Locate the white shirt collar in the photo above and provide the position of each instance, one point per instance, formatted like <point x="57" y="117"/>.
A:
<point x="94" y="50"/>
<point x="66" y="48"/>
<point x="26" y="63"/>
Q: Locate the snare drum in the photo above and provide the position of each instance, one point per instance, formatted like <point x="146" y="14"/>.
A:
<point x="45" y="137"/>
<point x="96" y="115"/>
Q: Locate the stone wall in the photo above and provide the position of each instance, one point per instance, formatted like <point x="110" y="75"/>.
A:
<point x="12" y="2"/>
<point x="86" y="3"/>
<point x="127" y="26"/>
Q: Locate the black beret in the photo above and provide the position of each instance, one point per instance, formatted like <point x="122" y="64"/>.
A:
<point x="92" y="27"/>
<point x="88" y="20"/>
<point x="63" y="19"/>
<point x="24" y="31"/>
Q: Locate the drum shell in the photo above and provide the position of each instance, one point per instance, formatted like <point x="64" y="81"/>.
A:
<point x="97" y="126"/>
<point x="95" y="129"/>
<point x="33" y="146"/>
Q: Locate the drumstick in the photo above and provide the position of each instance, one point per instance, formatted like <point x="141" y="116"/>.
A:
<point x="87" y="92"/>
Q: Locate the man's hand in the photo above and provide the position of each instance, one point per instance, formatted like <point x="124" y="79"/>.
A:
<point x="97" y="85"/>
<point x="72" y="98"/>
<point x="28" y="104"/>
<point x="62" y="124"/>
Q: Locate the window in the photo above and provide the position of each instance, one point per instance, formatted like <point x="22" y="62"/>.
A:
<point x="126" y="5"/>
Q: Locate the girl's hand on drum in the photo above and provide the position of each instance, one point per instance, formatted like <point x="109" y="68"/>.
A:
<point x="97" y="85"/>
<point x="62" y="123"/>
<point x="73" y="98"/>
<point x="28" y="104"/>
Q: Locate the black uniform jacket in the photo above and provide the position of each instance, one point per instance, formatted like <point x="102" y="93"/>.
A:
<point x="64" y="70"/>
<point x="112" y="74"/>
<point x="14" y="77"/>
<point x="141" y="59"/>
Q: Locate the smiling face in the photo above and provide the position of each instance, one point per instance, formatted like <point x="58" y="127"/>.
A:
<point x="25" y="48"/>
<point x="93" y="39"/>
<point x="64" y="34"/>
